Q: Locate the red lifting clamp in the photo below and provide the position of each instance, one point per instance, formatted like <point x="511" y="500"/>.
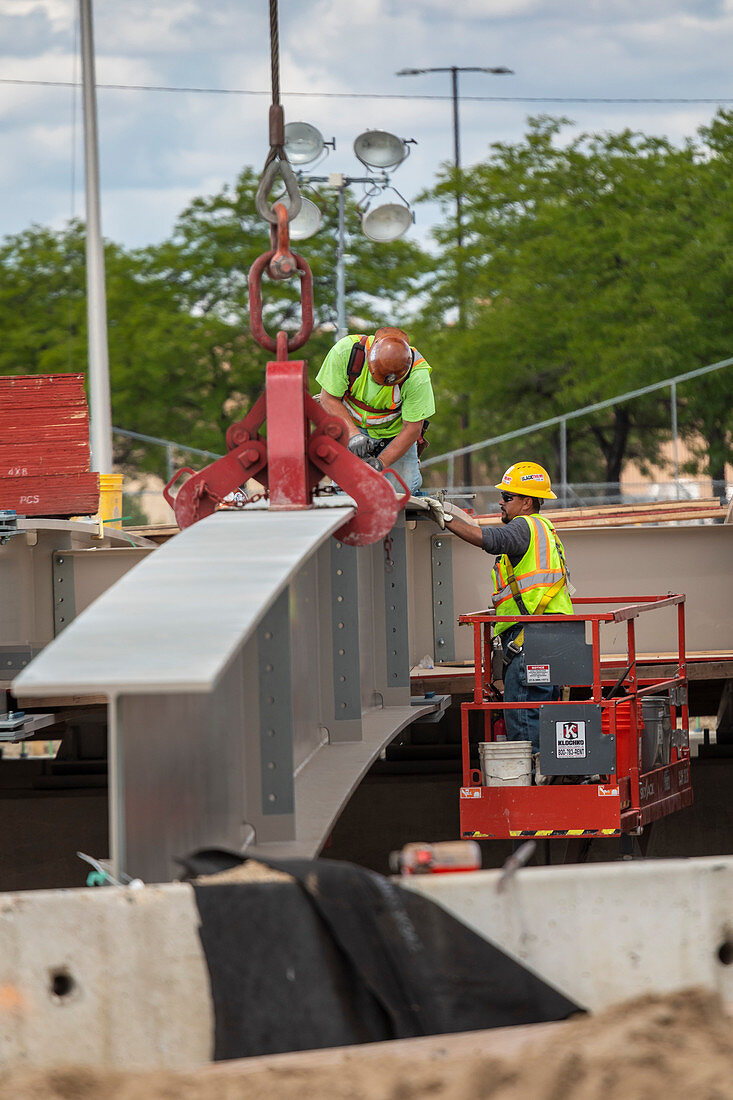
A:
<point x="291" y="462"/>
<point x="294" y="457"/>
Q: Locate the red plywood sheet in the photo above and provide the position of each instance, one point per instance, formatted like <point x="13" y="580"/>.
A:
<point x="37" y="459"/>
<point x="40" y="381"/>
<point x="49" y="426"/>
<point x="63" y="495"/>
<point x="45" y="393"/>
<point x="19" y="401"/>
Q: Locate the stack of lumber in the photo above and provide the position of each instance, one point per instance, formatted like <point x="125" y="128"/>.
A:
<point x="44" y="446"/>
<point x="625" y="515"/>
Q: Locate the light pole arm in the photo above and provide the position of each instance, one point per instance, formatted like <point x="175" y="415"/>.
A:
<point x="341" y="268"/>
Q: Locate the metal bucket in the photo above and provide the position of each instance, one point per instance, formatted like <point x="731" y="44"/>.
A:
<point x="656" y="736"/>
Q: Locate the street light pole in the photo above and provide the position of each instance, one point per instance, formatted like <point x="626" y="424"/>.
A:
<point x="339" y="182"/>
<point x="341" y="266"/>
<point x="457" y="162"/>
<point x="99" y="387"/>
<point x="454" y="70"/>
<point x="379" y="151"/>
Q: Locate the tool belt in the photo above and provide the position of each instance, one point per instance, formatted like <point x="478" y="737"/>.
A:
<point x="378" y="445"/>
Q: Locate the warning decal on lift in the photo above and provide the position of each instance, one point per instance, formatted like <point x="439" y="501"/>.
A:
<point x="563" y="832"/>
<point x="570" y="740"/>
<point x="607" y="792"/>
<point x="538" y="674"/>
<point x="470" y="792"/>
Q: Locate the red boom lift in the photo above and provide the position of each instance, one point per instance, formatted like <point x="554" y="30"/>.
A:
<point x="604" y="780"/>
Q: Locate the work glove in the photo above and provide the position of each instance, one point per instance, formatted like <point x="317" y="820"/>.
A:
<point x="372" y="460"/>
<point x="436" y="511"/>
<point x="361" y="445"/>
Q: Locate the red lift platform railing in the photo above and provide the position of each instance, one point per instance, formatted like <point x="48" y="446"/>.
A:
<point x="617" y="795"/>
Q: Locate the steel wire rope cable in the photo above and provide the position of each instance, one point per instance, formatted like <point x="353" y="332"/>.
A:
<point x="371" y="95"/>
<point x="276" y="161"/>
<point x="280" y="262"/>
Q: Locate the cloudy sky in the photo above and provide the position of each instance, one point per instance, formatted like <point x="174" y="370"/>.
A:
<point x="338" y="60"/>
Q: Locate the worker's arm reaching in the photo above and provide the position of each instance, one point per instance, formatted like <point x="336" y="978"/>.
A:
<point x="363" y="445"/>
<point x="334" y="406"/>
<point x="512" y="539"/>
<point x="469" y="532"/>
<point x="400" y="445"/>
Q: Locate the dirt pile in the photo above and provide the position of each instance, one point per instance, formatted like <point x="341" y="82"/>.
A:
<point x="250" y="871"/>
<point x="679" y="1047"/>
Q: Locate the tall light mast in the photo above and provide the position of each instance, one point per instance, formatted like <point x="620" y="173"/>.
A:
<point x="99" y="389"/>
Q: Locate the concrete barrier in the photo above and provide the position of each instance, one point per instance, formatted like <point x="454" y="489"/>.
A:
<point x="606" y="931"/>
<point x="116" y="977"/>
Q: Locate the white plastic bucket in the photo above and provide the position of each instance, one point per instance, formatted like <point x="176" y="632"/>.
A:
<point x="506" y="763"/>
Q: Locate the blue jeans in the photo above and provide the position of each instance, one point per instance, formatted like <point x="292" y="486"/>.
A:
<point x="523" y="725"/>
<point x="407" y="467"/>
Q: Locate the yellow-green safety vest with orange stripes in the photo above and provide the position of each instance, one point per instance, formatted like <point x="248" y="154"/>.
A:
<point x="387" y="405"/>
<point x="541" y="569"/>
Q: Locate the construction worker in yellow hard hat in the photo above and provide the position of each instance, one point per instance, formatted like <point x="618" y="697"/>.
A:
<point x="529" y="577"/>
<point x="380" y="386"/>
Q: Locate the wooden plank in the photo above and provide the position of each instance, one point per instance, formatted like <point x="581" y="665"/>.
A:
<point x="65" y="495"/>
<point x="21" y="402"/>
<point x="610" y="516"/>
<point x="39" y="459"/>
<point x="56" y="426"/>
<point x="641" y="506"/>
<point x="41" y="392"/>
<point x="18" y="382"/>
<point x="155" y="532"/>
<point x="670" y="517"/>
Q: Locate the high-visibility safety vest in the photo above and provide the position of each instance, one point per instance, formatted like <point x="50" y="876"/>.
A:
<point x="390" y="397"/>
<point x="538" y="582"/>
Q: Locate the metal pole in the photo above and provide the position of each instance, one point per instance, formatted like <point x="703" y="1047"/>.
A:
<point x="467" y="461"/>
<point x="340" y="271"/>
<point x="457" y="160"/>
<point x="99" y="389"/>
<point x="675" y="455"/>
<point x="564" y="460"/>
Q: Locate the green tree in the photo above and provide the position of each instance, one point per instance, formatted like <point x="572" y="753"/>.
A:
<point x="580" y="260"/>
<point x="183" y="364"/>
<point x="216" y="240"/>
<point x="42" y="301"/>
<point x="706" y="204"/>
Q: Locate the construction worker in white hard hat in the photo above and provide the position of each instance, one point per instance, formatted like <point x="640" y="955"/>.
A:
<point x="529" y="577"/>
<point x="380" y="387"/>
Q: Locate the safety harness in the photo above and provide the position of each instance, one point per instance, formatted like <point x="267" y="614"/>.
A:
<point x="514" y="647"/>
<point x="354" y="368"/>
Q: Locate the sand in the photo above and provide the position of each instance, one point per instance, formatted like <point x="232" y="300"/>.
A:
<point x="250" y="871"/>
<point x="675" y="1047"/>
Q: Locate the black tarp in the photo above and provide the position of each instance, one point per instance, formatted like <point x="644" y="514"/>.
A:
<point x="343" y="956"/>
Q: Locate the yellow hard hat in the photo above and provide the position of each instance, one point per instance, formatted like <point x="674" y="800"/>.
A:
<point x="527" y="479"/>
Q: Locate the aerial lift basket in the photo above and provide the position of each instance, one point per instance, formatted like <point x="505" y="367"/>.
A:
<point x="614" y="756"/>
